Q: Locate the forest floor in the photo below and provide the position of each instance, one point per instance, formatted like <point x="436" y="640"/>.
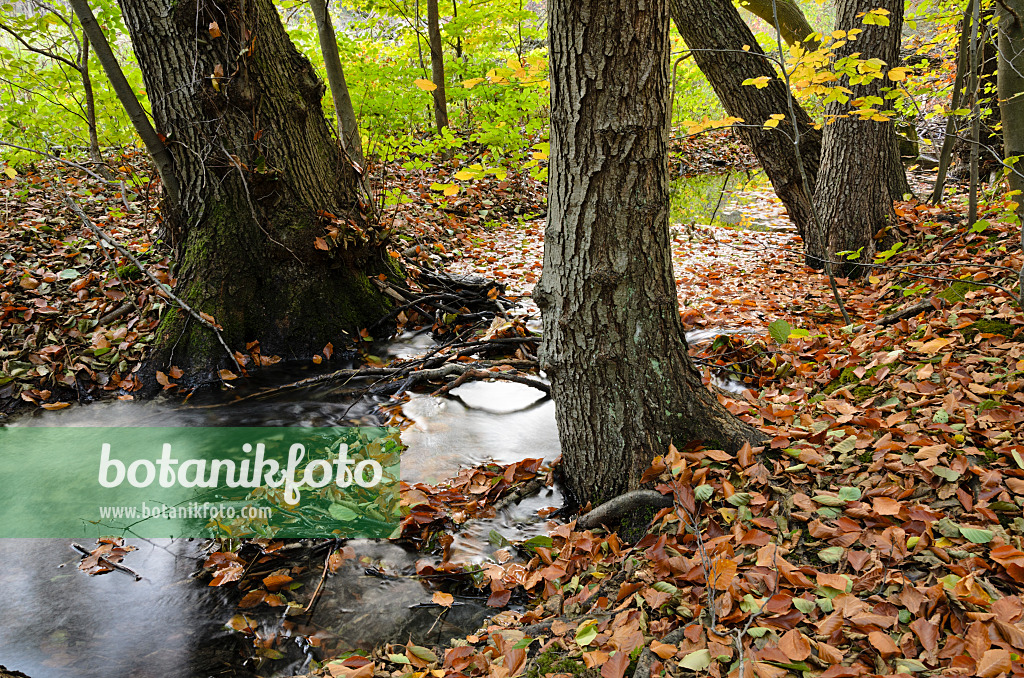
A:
<point x="878" y="533"/>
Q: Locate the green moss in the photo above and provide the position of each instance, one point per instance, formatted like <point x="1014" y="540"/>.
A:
<point x="551" y="661"/>
<point x="956" y="292"/>
<point x="986" y="326"/>
<point x="130" y="272"/>
<point x="863" y="392"/>
<point x="848" y="378"/>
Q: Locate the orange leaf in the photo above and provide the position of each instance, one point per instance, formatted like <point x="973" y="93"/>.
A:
<point x="884" y="506"/>
<point x="663" y="650"/>
<point x="883" y="643"/>
<point x="321" y="244"/>
<point x="328" y="350"/>
<point x="176" y="372"/>
<point x="227" y="375"/>
<point x="722" y="573"/>
<point x="994" y="663"/>
<point x="214" y="30"/>
<point x="443" y="599"/>
<point x="162" y="379"/>
<point x="795" y="646"/>
<point x="276" y="581"/>
<point x="317" y="359"/>
<point x="55" y="406"/>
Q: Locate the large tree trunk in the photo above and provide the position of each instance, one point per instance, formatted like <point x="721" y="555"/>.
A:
<point x="861" y="173"/>
<point x="261" y="181"/>
<point x="623" y="383"/>
<point x="437" y="65"/>
<point x="717" y="34"/>
<point x="1011" y="89"/>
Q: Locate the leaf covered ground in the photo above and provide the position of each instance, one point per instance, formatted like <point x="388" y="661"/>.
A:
<point x="878" y="533"/>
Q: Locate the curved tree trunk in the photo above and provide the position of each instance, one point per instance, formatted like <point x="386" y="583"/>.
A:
<point x="861" y="173"/>
<point x="623" y="383"/>
<point x="794" y="24"/>
<point x="261" y="181"/>
<point x="717" y="34"/>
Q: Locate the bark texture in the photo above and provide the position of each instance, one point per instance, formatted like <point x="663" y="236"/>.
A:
<point x="861" y="173"/>
<point x="622" y="380"/>
<point x="717" y="34"/>
<point x="437" y="65"/>
<point x="261" y="177"/>
<point x="796" y="29"/>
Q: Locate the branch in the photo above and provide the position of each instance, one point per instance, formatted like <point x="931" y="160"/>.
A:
<point x="46" y="53"/>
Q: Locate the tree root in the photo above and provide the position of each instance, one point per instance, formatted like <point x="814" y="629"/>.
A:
<point x="613" y="509"/>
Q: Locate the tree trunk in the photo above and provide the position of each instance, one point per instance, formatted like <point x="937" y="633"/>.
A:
<point x="794" y="24"/>
<point x="1011" y="90"/>
<point x="623" y="383"/>
<point x="437" y="65"/>
<point x="90" y="102"/>
<point x="263" y="186"/>
<point x="348" y="126"/>
<point x="861" y="173"/>
<point x="157" y="150"/>
<point x="717" y="34"/>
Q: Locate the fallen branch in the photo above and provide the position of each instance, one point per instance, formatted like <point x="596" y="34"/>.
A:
<point x="908" y="312"/>
<point x="613" y="509"/>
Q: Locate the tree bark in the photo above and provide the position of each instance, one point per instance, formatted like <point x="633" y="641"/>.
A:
<point x="796" y="29"/>
<point x="717" y="34"/>
<point x="623" y="383"/>
<point x="348" y="126"/>
<point x="263" y="186"/>
<point x="90" y="102"/>
<point x="1011" y="89"/>
<point x="159" y="152"/>
<point x="437" y="65"/>
<point x="861" y="173"/>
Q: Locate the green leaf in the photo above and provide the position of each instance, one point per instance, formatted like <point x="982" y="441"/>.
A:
<point x="540" y="541"/>
<point x="586" y="633"/>
<point x="757" y="631"/>
<point x="68" y="274"/>
<point x="941" y="417"/>
<point x="947" y="473"/>
<point x="696" y="661"/>
<point x="497" y="539"/>
<point x="780" y="331"/>
<point x="805" y="606"/>
<point x="977" y="535"/>
<point x="832" y="554"/>
<point x="739" y="499"/>
<point x="342" y="513"/>
<point x="849" y="493"/>
<point x="524" y="643"/>
<point x="703" y="492"/>
<point x="849" y="444"/>
<point x="423" y="653"/>
<point x="827" y="500"/>
<point x="665" y="587"/>
<point x="398" y="659"/>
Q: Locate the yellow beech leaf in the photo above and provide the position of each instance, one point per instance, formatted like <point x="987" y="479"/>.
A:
<point x="10" y="171"/>
<point x="463" y="175"/>
<point x="425" y="85"/>
<point x="443" y="599"/>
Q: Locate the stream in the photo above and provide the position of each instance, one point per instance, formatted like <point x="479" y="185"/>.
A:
<point x="59" y="622"/>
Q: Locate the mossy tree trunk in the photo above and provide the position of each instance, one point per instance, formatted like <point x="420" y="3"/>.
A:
<point x="261" y="182"/>
<point x="623" y="383"/>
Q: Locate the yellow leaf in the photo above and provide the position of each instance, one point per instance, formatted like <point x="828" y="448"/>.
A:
<point x="472" y="82"/>
<point x="9" y="171"/>
<point x="898" y="74"/>
<point x="425" y="85"/>
<point x="874" y="279"/>
<point x="443" y="599"/>
<point x="451" y="189"/>
<point x="464" y="174"/>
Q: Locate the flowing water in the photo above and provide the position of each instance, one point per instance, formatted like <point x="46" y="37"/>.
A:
<point x="59" y="622"/>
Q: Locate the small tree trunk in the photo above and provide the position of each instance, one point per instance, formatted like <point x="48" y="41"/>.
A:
<point x="90" y="102"/>
<point x="157" y="150"/>
<point x="949" y="137"/>
<point x="1011" y="91"/>
<point x="264" y="186"/>
<point x="348" y="127"/>
<point x="861" y="172"/>
<point x="796" y="29"/>
<point x="623" y="383"/>
<point x="437" y="65"/>
<point x="717" y="34"/>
